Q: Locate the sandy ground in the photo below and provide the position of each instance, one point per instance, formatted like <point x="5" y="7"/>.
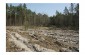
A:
<point x="41" y="39"/>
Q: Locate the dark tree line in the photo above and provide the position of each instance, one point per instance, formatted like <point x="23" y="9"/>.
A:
<point x="69" y="18"/>
<point x="21" y="16"/>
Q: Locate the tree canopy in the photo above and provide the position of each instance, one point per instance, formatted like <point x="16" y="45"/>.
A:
<point x="21" y="16"/>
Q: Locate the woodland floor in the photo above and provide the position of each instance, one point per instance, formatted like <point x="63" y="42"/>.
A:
<point x="41" y="39"/>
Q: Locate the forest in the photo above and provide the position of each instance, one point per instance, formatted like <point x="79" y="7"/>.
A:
<point x="22" y="16"/>
<point x="27" y="30"/>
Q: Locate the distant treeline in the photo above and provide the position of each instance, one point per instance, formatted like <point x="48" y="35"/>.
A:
<point x="21" y="16"/>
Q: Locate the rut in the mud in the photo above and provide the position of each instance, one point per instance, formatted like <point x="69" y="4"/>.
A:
<point x="23" y="43"/>
<point x="42" y="40"/>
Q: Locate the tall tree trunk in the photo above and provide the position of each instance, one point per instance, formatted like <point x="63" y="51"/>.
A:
<point x="10" y="19"/>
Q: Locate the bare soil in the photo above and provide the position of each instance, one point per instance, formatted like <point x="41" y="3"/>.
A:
<point x="41" y="39"/>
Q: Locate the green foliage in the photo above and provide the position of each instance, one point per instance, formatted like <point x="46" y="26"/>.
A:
<point x="21" y="16"/>
<point x="69" y="19"/>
